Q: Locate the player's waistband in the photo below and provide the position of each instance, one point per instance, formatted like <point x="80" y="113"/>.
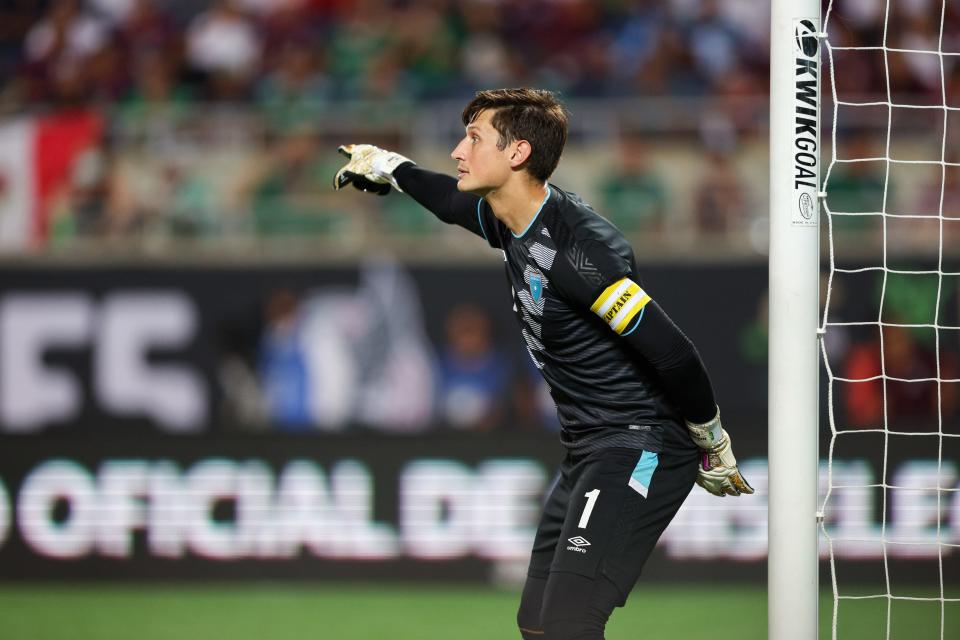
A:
<point x="648" y="437"/>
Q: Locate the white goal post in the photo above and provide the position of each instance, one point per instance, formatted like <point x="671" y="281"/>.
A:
<point x="795" y="66"/>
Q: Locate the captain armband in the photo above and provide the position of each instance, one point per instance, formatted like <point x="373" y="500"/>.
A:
<point x="620" y="303"/>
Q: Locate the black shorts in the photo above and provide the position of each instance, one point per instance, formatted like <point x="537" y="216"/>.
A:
<point x="606" y="512"/>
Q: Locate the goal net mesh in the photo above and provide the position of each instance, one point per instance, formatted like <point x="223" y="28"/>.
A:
<point x="890" y="335"/>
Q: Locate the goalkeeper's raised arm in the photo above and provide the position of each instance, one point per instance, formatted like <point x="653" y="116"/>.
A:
<point x="376" y="170"/>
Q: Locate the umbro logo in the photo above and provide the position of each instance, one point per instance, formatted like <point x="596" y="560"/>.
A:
<point x="577" y="544"/>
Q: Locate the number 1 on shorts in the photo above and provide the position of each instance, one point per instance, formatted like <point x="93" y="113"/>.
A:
<point x="591" y="497"/>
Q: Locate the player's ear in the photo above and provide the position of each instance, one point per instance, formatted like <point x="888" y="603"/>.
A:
<point x="521" y="152"/>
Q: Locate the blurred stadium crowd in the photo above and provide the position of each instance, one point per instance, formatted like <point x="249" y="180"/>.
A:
<point x="263" y="50"/>
<point x="218" y="120"/>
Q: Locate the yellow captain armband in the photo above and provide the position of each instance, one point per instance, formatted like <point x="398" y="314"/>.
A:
<point x="620" y="303"/>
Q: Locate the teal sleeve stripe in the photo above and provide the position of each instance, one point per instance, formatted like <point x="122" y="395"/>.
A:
<point x="636" y="323"/>
<point x="480" y="220"/>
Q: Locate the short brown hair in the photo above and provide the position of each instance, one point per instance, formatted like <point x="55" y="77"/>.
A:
<point x="534" y="115"/>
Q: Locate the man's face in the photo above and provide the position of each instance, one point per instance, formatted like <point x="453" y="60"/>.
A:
<point x="481" y="166"/>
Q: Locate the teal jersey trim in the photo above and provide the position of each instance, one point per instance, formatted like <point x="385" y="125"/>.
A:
<point x="643" y="472"/>
<point x="480" y="220"/>
<point x="537" y="215"/>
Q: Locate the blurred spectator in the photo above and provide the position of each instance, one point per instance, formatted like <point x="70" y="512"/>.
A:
<point x="17" y="17"/>
<point x="97" y="202"/>
<point x="574" y="49"/>
<point x="738" y="111"/>
<point x="713" y="42"/>
<point x="485" y="59"/>
<point x="290" y="22"/>
<point x="115" y="11"/>
<point x="952" y="94"/>
<point x="751" y="22"/>
<point x="473" y="375"/>
<point x="671" y="70"/>
<point x="183" y="203"/>
<point x="404" y="217"/>
<point x="720" y="198"/>
<point x="905" y="404"/>
<point x="634" y="41"/>
<point x="589" y="71"/>
<point x="360" y="60"/>
<point x="915" y="77"/>
<point x="282" y="365"/>
<point x="224" y="46"/>
<point x="941" y="194"/>
<point x="865" y="17"/>
<point x="156" y="115"/>
<point x="264" y="7"/>
<point x="864" y="72"/>
<point x="283" y="194"/>
<point x="858" y="187"/>
<point x="632" y="194"/>
<point x="155" y="92"/>
<point x="294" y="92"/>
<point x="909" y="399"/>
<point x="107" y="74"/>
<point x="153" y="51"/>
<point x="425" y="41"/>
<point x="146" y="30"/>
<point x="938" y="195"/>
<point x="59" y="48"/>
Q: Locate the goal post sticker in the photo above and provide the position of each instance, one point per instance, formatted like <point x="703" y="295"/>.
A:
<point x="620" y="303"/>
<point x="806" y="116"/>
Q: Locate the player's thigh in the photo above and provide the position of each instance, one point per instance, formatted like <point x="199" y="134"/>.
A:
<point x="643" y="519"/>
<point x="544" y="548"/>
<point x="551" y="523"/>
<point x="577" y="607"/>
<point x="620" y="502"/>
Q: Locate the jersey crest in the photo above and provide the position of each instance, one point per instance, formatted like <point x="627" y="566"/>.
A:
<point x="536" y="286"/>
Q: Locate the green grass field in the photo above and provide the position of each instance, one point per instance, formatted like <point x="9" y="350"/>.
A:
<point x="280" y="612"/>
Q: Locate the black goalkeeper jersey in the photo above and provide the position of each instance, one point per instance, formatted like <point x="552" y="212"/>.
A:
<point x="576" y="295"/>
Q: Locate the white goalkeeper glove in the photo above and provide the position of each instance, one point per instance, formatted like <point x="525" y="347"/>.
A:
<point x="370" y="169"/>
<point x="718" y="472"/>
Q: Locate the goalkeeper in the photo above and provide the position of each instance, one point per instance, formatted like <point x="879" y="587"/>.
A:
<point x="638" y="417"/>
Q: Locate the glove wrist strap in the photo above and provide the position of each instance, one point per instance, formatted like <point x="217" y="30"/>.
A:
<point x="707" y="435"/>
<point x="386" y="164"/>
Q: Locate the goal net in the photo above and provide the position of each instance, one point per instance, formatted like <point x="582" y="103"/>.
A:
<point x="890" y="506"/>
